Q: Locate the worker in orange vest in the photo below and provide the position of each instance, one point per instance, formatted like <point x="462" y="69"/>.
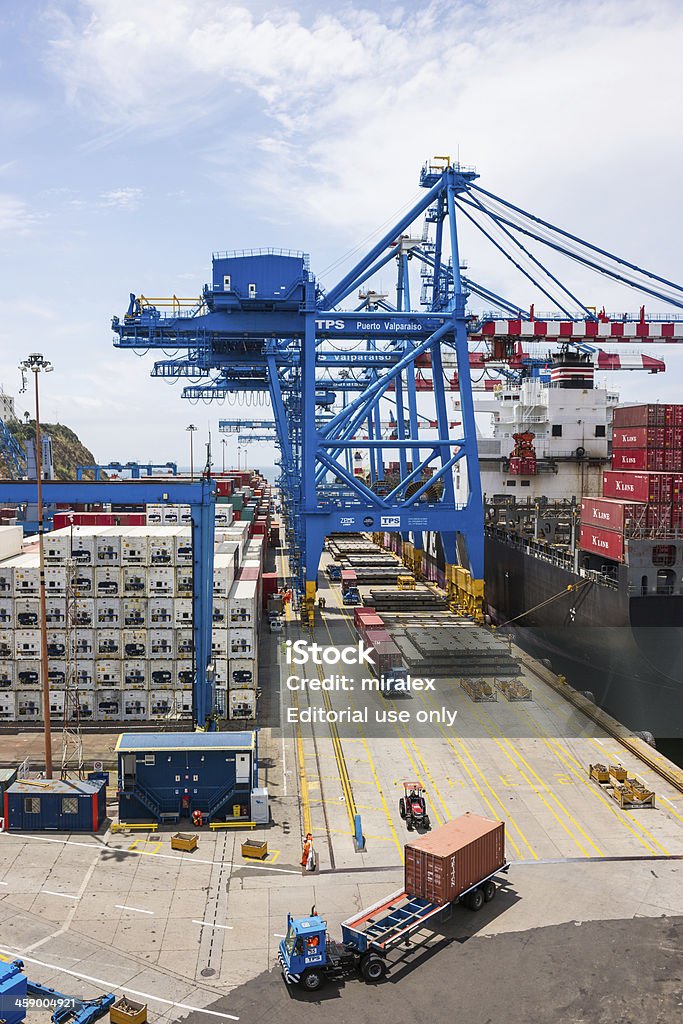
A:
<point x="197" y="819"/>
<point x="308" y="847"/>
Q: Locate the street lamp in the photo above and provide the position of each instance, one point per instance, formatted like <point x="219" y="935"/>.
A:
<point x="224" y="442"/>
<point x="192" y="429"/>
<point x="35" y="363"/>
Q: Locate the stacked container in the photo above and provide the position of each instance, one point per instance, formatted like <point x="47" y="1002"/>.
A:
<point x="643" y="491"/>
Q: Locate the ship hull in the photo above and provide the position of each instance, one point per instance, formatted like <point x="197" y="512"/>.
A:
<point x="626" y="650"/>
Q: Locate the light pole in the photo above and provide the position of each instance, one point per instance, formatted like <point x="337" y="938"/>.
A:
<point x="224" y="442"/>
<point x="192" y="429"/>
<point x="36" y="363"/>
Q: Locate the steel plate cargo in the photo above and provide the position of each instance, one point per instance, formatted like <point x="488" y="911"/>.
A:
<point x="446" y="862"/>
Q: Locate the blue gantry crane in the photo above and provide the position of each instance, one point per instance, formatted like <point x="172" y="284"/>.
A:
<point x="136" y="469"/>
<point x="265" y="328"/>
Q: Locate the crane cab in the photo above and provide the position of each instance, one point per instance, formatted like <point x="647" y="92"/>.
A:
<point x="303" y="947"/>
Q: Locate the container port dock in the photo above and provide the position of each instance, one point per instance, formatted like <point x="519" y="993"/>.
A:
<point x="261" y="741"/>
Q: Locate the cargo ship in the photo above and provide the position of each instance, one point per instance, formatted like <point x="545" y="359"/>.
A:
<point x="584" y="539"/>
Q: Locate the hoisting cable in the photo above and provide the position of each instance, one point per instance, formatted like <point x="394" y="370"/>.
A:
<point x="571" y="589"/>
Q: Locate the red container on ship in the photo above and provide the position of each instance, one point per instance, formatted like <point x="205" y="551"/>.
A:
<point x="638" y="437"/>
<point x="607" y="543"/>
<point x="361" y="613"/>
<point x="673" y="437"/>
<point x="640" y="416"/>
<point x="640" y="458"/>
<point x="648" y="487"/>
<point x="608" y="513"/>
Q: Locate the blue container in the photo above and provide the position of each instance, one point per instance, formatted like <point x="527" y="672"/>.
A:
<point x="167" y="776"/>
<point x="12" y="993"/>
<point x="39" y="805"/>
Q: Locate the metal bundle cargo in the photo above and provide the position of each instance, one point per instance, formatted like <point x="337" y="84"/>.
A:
<point x="446" y="862"/>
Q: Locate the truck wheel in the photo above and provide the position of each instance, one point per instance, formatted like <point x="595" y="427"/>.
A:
<point x="373" y="968"/>
<point x="475" y="900"/>
<point x="489" y="890"/>
<point x="425" y="821"/>
<point x="402" y="808"/>
<point x="312" y="980"/>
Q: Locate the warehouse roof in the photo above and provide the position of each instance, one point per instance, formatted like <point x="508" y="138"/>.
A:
<point x="134" y="741"/>
<point x="66" y="787"/>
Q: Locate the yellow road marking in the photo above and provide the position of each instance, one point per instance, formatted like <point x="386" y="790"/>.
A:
<point x="539" y="792"/>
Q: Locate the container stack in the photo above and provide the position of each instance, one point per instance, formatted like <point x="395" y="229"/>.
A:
<point x="643" y="491"/>
<point x="132" y="624"/>
<point x="236" y="643"/>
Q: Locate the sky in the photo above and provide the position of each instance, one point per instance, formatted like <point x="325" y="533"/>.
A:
<point x="139" y="136"/>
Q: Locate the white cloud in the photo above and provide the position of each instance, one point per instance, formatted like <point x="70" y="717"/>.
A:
<point x="16" y="216"/>
<point x="127" y="198"/>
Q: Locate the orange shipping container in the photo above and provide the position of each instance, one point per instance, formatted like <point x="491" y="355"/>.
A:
<point x="451" y="859"/>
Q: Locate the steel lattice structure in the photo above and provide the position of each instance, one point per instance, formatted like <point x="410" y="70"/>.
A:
<point x="265" y="326"/>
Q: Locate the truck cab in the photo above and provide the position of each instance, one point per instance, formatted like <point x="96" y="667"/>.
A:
<point x="334" y="573"/>
<point x="395" y="680"/>
<point x="303" y="953"/>
<point x="351" y="596"/>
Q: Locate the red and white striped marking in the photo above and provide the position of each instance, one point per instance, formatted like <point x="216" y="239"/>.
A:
<point x="613" y="330"/>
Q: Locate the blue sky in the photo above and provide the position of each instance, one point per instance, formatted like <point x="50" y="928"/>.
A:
<point x="138" y="137"/>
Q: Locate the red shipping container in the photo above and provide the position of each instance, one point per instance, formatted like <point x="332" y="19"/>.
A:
<point x="236" y="515"/>
<point x="639" y="458"/>
<point x="376" y="636"/>
<point x="647" y="487"/>
<point x="673" y="437"/>
<point x="658" y="517"/>
<point x="361" y="612"/>
<point x="673" y="460"/>
<point x="638" y="437"/>
<point x="639" y="416"/>
<point x="447" y="861"/>
<point x="608" y="543"/>
<point x="269" y="584"/>
<point x="609" y="513"/>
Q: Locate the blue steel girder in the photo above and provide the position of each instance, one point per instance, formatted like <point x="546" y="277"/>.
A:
<point x="265" y="325"/>
<point x="201" y="497"/>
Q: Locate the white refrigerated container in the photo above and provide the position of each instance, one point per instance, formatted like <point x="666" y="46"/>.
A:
<point x="56" y="674"/>
<point x="11" y="538"/>
<point x="183" y="674"/>
<point x="57" y="703"/>
<point x="107" y="581"/>
<point x="160" y="613"/>
<point x="135" y="643"/>
<point x="108" y="673"/>
<point x="182" y="612"/>
<point x="161" y="643"/>
<point x="241" y="704"/>
<point x="242" y="643"/>
<point x="7" y="674"/>
<point x="55" y="580"/>
<point x="26" y="643"/>
<point x="27" y="675"/>
<point x="183" y="547"/>
<point x="161" y="674"/>
<point x="220" y="611"/>
<point x="184" y="643"/>
<point x="135" y="546"/>
<point x="7" y="612"/>
<point x="219" y="642"/>
<point x="56" y="643"/>
<point x="135" y="674"/>
<point x="183" y="703"/>
<point x="55" y="611"/>
<point x="161" y="704"/>
<point x="108" y="612"/>
<point x="108" y="703"/>
<point x="84" y="643"/>
<point x="6" y="644"/>
<point x="134" y="581"/>
<point x="29" y="706"/>
<point x="8" y="706"/>
<point x="161" y="581"/>
<point x="84" y="581"/>
<point x="243" y="672"/>
<point x="85" y="674"/>
<point x="244" y="603"/>
<point x="107" y="643"/>
<point x="26" y="576"/>
<point x="134" y="705"/>
<point x="134" y="612"/>
<point x="161" y="547"/>
<point x="108" y="546"/>
<point x="183" y="581"/>
<point x="221" y="672"/>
